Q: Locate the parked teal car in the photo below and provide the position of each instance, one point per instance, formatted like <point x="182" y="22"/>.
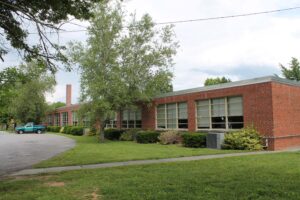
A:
<point x="30" y="128"/>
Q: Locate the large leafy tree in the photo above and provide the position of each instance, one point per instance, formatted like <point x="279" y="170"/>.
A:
<point x="29" y="103"/>
<point x="122" y="64"/>
<point x="10" y="79"/>
<point x="20" y="18"/>
<point x="218" y="80"/>
<point x="291" y="72"/>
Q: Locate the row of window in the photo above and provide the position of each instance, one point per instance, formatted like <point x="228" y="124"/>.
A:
<point x="217" y="113"/>
<point x="63" y="118"/>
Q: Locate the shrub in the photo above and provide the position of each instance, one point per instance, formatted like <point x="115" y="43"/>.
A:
<point x="245" y="139"/>
<point x="66" y="129"/>
<point x="76" y="130"/>
<point x="54" y="129"/>
<point x="194" y="140"/>
<point x="112" y="134"/>
<point x="147" y="136"/>
<point x="129" y="135"/>
<point x="92" y="131"/>
<point x="170" y="137"/>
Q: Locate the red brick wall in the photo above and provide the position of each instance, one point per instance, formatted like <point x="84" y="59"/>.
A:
<point x="257" y="100"/>
<point x="286" y="114"/>
<point x="68" y="109"/>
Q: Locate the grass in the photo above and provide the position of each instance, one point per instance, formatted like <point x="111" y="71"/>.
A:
<point x="89" y="151"/>
<point x="265" y="177"/>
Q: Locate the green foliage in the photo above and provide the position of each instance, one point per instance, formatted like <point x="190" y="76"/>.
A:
<point x="170" y="137"/>
<point x="293" y="71"/>
<point x="218" y="80"/>
<point x="147" y="136"/>
<point x="245" y="139"/>
<point x="28" y="103"/>
<point x="67" y="129"/>
<point x="54" y="129"/>
<point x="39" y="17"/>
<point x="113" y="134"/>
<point x="122" y="67"/>
<point x="75" y="130"/>
<point x="129" y="135"/>
<point x="53" y="106"/>
<point x="10" y="79"/>
<point x="194" y="140"/>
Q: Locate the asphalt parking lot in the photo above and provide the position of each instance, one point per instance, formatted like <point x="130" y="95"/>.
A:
<point x="19" y="152"/>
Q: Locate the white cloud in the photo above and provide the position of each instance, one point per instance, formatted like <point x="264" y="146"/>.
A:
<point x="237" y="48"/>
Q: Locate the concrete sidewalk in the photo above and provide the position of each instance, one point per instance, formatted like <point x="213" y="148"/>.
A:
<point x="136" y="162"/>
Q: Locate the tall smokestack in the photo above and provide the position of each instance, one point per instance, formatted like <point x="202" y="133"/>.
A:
<point x="69" y="95"/>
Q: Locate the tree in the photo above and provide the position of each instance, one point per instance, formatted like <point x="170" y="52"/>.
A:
<point x="20" y="18"/>
<point x="214" y="81"/>
<point x="54" y="106"/>
<point x="120" y="68"/>
<point x="29" y="103"/>
<point x="293" y="71"/>
<point x="10" y="78"/>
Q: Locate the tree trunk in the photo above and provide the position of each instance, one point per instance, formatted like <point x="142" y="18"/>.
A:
<point x="101" y="131"/>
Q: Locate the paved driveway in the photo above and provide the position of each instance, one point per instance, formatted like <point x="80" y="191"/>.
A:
<point x="22" y="151"/>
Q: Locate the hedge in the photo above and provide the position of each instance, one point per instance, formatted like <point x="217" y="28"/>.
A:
<point x="76" y="130"/>
<point x="129" y="135"/>
<point x="147" y="136"/>
<point x="54" y="129"/>
<point x="112" y="133"/>
<point x="194" y="140"/>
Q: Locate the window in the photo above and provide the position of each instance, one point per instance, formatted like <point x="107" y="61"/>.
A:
<point x="172" y="116"/>
<point x="112" y="122"/>
<point x="64" y="118"/>
<point x="220" y="113"/>
<point x="74" y="118"/>
<point x="132" y="119"/>
<point x="203" y="116"/>
<point x="182" y="115"/>
<point x="235" y="113"/>
<point x="57" y="119"/>
<point x="161" y="116"/>
<point x="218" y="119"/>
<point x="49" y="120"/>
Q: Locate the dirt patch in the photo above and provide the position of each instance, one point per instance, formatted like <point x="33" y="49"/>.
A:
<point x="93" y="196"/>
<point x="55" y="184"/>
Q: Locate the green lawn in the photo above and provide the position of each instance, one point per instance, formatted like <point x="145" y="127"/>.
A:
<point x="89" y="151"/>
<point x="265" y="177"/>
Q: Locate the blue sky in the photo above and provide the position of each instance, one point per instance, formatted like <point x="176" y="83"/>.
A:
<point x="238" y="48"/>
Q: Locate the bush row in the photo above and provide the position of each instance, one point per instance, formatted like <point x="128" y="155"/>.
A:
<point x="149" y="136"/>
<point x="72" y="130"/>
<point x="245" y="139"/>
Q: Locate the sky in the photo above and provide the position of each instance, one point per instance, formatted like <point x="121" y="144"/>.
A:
<point x="238" y="48"/>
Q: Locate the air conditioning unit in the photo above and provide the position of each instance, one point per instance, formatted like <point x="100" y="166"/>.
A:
<point x="215" y="140"/>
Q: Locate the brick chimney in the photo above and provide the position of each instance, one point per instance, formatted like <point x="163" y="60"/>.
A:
<point x="69" y="95"/>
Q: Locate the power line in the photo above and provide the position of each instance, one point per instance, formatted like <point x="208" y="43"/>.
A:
<point x="196" y="20"/>
<point x="229" y="16"/>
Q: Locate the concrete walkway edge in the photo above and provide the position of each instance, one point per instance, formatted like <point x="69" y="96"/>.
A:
<point x="135" y="162"/>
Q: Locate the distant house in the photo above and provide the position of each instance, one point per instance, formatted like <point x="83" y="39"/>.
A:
<point x="271" y="104"/>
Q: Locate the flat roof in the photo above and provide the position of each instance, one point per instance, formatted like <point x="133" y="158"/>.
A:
<point x="263" y="79"/>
